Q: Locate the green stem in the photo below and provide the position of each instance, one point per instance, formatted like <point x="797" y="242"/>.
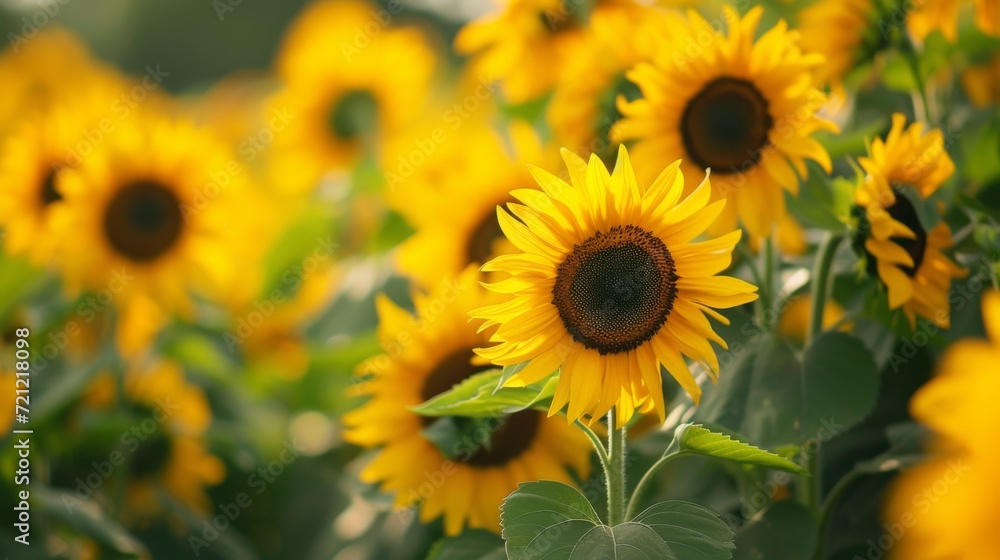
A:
<point x="646" y="480"/>
<point x="824" y="515"/>
<point x="921" y="105"/>
<point x="616" y="473"/>
<point x="820" y="279"/>
<point x="602" y="453"/>
<point x="767" y="280"/>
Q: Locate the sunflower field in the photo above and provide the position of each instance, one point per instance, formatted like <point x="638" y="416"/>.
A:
<point x="500" y="279"/>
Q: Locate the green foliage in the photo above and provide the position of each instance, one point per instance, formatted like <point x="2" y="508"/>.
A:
<point x="554" y="521"/>
<point x="470" y="545"/>
<point x="478" y="396"/>
<point x="783" y="531"/>
<point x="695" y="438"/>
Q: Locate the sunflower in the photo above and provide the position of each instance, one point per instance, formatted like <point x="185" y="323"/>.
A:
<point x="608" y="285"/>
<point x="168" y="450"/>
<point x="982" y="83"/>
<point x="942" y="15"/>
<point x="744" y="109"/>
<point x="149" y="216"/>
<point x="350" y="82"/>
<point x="838" y="30"/>
<point x="529" y="43"/>
<point x="438" y="353"/>
<point x="945" y="503"/>
<point x="583" y="109"/>
<point x="445" y="243"/>
<point x="35" y="152"/>
<point x="51" y="66"/>
<point x="904" y="253"/>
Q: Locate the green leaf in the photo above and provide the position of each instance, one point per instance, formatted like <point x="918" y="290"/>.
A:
<point x="545" y="519"/>
<point x="628" y="541"/>
<point x="775" y="398"/>
<point x="477" y="396"/>
<point x="695" y="438"/>
<point x="17" y="278"/>
<point x="86" y="518"/>
<point x="508" y="372"/>
<point x="470" y="545"/>
<point x="906" y="449"/>
<point x="458" y="437"/>
<point x="311" y="236"/>
<point x="691" y="531"/>
<point x="783" y="531"/>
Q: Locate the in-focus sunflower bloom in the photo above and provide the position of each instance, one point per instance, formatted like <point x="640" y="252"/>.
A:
<point x="905" y="255"/>
<point x="946" y="504"/>
<point x="348" y="90"/>
<point x="608" y="285"/>
<point x="174" y="457"/>
<point x="745" y="109"/>
<point x="149" y="217"/>
<point x="837" y="29"/>
<point x="942" y="15"/>
<point x="428" y="353"/>
<point x="583" y="110"/>
<point x="529" y="43"/>
<point x="446" y="243"/>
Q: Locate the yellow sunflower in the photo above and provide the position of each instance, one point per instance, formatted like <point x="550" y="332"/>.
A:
<point x="149" y="217"/>
<point x="608" y="285"/>
<point x="37" y="149"/>
<point x="982" y="83"/>
<point x="906" y="256"/>
<point x="944" y="507"/>
<point x="351" y="81"/>
<point x="942" y="15"/>
<point x="837" y="30"/>
<point x="745" y="109"/>
<point x="529" y="43"/>
<point x="445" y="243"/>
<point x="50" y="66"/>
<point x="167" y="448"/>
<point x="427" y="353"/>
<point x="582" y="110"/>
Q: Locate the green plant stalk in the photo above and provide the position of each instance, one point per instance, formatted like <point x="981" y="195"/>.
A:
<point x="646" y="480"/>
<point x="824" y="515"/>
<point x="602" y="453"/>
<point x="820" y="281"/>
<point x="767" y="283"/>
<point x="615" y="474"/>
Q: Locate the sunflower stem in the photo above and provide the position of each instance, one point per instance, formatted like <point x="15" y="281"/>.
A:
<point x="616" y="472"/>
<point x="820" y="280"/>
<point x="646" y="480"/>
<point x="767" y="281"/>
<point x="598" y="444"/>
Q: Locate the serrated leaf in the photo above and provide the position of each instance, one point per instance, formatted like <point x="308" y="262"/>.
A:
<point x="472" y="544"/>
<point x="695" y="438"/>
<point x="477" y="397"/>
<point x="691" y="531"/>
<point x="628" y="541"/>
<point x="542" y="518"/>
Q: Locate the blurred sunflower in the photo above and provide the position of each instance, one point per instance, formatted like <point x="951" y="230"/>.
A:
<point x="53" y="65"/>
<point x="942" y="15"/>
<point x="529" y="43"/>
<point x="583" y="108"/>
<point x="38" y="147"/>
<point x="838" y="30"/>
<point x="149" y="216"/>
<point x="959" y="405"/>
<point x="900" y="251"/>
<point x="794" y="323"/>
<point x="745" y="109"/>
<point x="527" y="446"/>
<point x="8" y="392"/>
<point x="982" y="82"/>
<point x="173" y="455"/>
<point x="608" y="285"/>
<point x="445" y="243"/>
<point x="348" y="88"/>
